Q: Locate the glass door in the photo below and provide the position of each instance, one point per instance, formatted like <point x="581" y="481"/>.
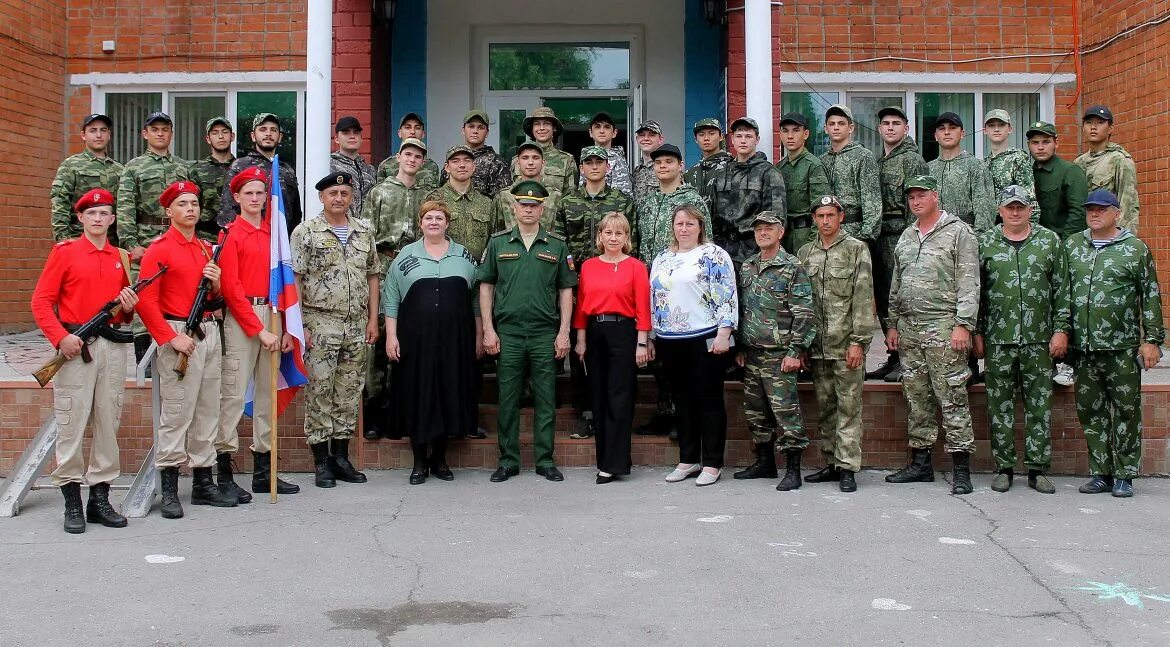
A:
<point x="507" y="116"/>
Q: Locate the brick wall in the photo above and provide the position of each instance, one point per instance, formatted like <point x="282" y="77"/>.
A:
<point x="361" y="78"/>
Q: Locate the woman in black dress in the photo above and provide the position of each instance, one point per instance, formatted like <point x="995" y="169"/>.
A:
<point x="433" y="335"/>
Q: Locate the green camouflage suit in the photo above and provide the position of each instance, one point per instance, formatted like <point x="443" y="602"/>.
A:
<point x="335" y="299"/>
<point x="491" y="173"/>
<point x="776" y="321"/>
<point x="935" y="287"/>
<point x="560" y="170"/>
<point x="505" y="202"/>
<point x="1013" y="166"/>
<point x="655" y="216"/>
<point x="894" y="169"/>
<point x="580" y="212"/>
<point x="617" y="171"/>
<point x="842" y="282"/>
<point x="964" y="190"/>
<point x="141" y="218"/>
<point x="1019" y="312"/>
<point x="427" y="176"/>
<point x="853" y="173"/>
<point x="805" y="179"/>
<point x="211" y="176"/>
<point x="644" y="180"/>
<point x="290" y="188"/>
<point x="1113" y="169"/>
<point x="1061" y="189"/>
<point x="699" y="175"/>
<point x="365" y="178"/>
<point x="737" y="193"/>
<point x="473" y="217"/>
<point x="1114" y="306"/>
<point x="78" y="175"/>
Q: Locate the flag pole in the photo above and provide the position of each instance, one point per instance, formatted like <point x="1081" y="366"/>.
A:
<point x="273" y="425"/>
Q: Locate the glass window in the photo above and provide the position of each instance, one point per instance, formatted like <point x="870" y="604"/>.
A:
<point x="191" y="114"/>
<point x="558" y="66"/>
<point x="128" y="110"/>
<point x="865" y="108"/>
<point x="575" y="115"/>
<point x="1024" y="110"/>
<point x="284" y="104"/>
<point x="511" y="126"/>
<point x="929" y="105"/>
<point x="813" y="106"/>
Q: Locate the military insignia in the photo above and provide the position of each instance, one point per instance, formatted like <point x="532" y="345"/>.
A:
<point x="545" y="256"/>
<point x="508" y="256"/>
<point x="341" y="179"/>
<point x="569" y="259"/>
<point x="117" y="265"/>
<point x="826" y="200"/>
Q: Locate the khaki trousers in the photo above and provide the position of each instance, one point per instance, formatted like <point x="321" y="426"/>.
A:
<point x="82" y="392"/>
<point x="243" y="361"/>
<point x="189" y="418"/>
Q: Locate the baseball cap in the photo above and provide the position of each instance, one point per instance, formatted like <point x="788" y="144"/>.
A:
<point x="532" y="144"/>
<point x="476" y="113"/>
<point x="892" y="110"/>
<point x="709" y="122"/>
<point x="411" y="141"/>
<point x="97" y="116"/>
<point x="827" y="200"/>
<point x="1103" y="198"/>
<point x="794" y="118"/>
<point x="746" y="121"/>
<point x="593" y="151"/>
<point x="651" y="125"/>
<point x="157" y="116"/>
<point x="459" y="148"/>
<point x="1099" y="111"/>
<point x="411" y="115"/>
<point x="602" y="118"/>
<point x="666" y="149"/>
<point x="839" y="109"/>
<point x="948" y="118"/>
<point x="1014" y="193"/>
<point x="1041" y="128"/>
<point x="773" y="217"/>
<point x="348" y="122"/>
<point x="998" y="113"/>
<point x="217" y="121"/>
<point x="265" y="117"/>
<point x="927" y="182"/>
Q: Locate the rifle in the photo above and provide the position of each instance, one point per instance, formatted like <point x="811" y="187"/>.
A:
<point x="192" y="327"/>
<point x="90" y="330"/>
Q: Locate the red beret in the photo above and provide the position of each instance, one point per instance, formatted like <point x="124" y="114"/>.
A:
<point x="251" y="174"/>
<point x="95" y="198"/>
<point x="173" y="191"/>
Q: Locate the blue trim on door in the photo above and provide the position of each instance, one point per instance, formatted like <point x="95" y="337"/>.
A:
<point x="702" y="75"/>
<point x="408" y="63"/>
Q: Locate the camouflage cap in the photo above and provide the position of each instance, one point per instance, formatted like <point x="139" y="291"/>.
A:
<point x="651" y="125"/>
<point x="1041" y="128"/>
<point x="1015" y="193"/>
<point x="530" y="144"/>
<point x="998" y="113"/>
<point x="476" y="113"/>
<point x="457" y="149"/>
<point x="709" y="122"/>
<point x="593" y="151"/>
<point x="840" y="110"/>
<point x="897" y="111"/>
<point x="529" y="192"/>
<point x="771" y="217"/>
<point x="744" y="121"/>
<point x="542" y="113"/>
<point x="217" y="121"/>
<point x="927" y="182"/>
<point x="411" y="141"/>
<point x="828" y="200"/>
<point x="264" y="117"/>
<point x="412" y="115"/>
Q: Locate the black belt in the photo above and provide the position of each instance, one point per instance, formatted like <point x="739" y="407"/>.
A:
<point x="257" y="301"/>
<point x="602" y="318"/>
<point x="800" y="222"/>
<point x="107" y="332"/>
<point x="206" y="318"/>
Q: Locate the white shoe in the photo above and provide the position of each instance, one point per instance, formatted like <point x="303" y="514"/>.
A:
<point x="681" y="475"/>
<point x="1064" y="375"/>
<point x="707" y="478"/>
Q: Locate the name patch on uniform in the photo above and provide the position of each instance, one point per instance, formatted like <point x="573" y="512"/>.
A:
<point x="545" y="256"/>
<point x="508" y="256"/>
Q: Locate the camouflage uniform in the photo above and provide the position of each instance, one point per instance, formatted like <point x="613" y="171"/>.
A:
<point x="1061" y="189"/>
<point x="738" y="193"/>
<point x="364" y="175"/>
<point x="579" y="214"/>
<point x="853" y="173"/>
<point x="391" y="210"/>
<point x="700" y="174"/>
<point x="427" y="176"/>
<point x="1013" y="166"/>
<point x="548" y="220"/>
<point x="560" y="169"/>
<point x="935" y="287"/>
<point x="776" y="321"/>
<point x="76" y="176"/>
<point x="964" y="190"/>
<point x="617" y="172"/>
<point x="1114" y="306"/>
<point x="1019" y="312"/>
<point x="491" y="173"/>
<point x="473" y="217"/>
<point x="805" y="180"/>
<point x="655" y="216"/>
<point x="1113" y="169"/>
<point x="842" y="282"/>
<point x="141" y="218"/>
<point x="335" y="299"/>
<point x="211" y="176"/>
<point x="894" y="169"/>
<point x="644" y="180"/>
<point x="228" y="209"/>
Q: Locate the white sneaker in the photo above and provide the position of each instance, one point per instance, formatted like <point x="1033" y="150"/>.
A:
<point x="707" y="478"/>
<point x="1064" y="375"/>
<point x="681" y="475"/>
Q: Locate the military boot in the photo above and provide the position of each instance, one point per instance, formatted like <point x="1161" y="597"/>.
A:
<point x="170" y="508"/>
<point x="1003" y="480"/>
<point x="765" y="465"/>
<point x="99" y="510"/>
<point x="262" y="476"/>
<point x="205" y="492"/>
<point x="791" y="480"/>
<point x="880" y="373"/>
<point x="227" y="482"/>
<point x="918" y="470"/>
<point x="826" y="474"/>
<point x="962" y="473"/>
<point x="323" y="476"/>
<point x="343" y="470"/>
<point x="74" y="519"/>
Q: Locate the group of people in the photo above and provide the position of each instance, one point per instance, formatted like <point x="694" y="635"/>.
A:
<point x="415" y="277"/>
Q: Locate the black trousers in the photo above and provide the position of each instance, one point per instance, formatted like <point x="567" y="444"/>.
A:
<point x="613" y="379"/>
<point x="580" y="389"/>
<point x="695" y="377"/>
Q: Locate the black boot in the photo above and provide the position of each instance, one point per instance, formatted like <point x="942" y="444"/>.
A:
<point x="74" y="519"/>
<point x="920" y="469"/>
<point x="791" y="480"/>
<point x="205" y="492"/>
<point x="141" y="345"/>
<point x="418" y="475"/>
<point x="262" y="476"/>
<point x="99" y="510"/>
<point x="439" y="468"/>
<point x="322" y="465"/>
<point x="371" y="417"/>
<point x="962" y="473"/>
<point x="170" y="508"/>
<point x="765" y="465"/>
<point x="880" y="373"/>
<point x="343" y="470"/>
<point x="827" y="474"/>
<point x="227" y="482"/>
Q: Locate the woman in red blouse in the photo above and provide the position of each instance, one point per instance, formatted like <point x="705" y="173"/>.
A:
<point x="612" y="322"/>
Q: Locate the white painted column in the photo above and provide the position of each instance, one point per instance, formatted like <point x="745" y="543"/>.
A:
<point x="318" y="100"/>
<point x="757" y="41"/>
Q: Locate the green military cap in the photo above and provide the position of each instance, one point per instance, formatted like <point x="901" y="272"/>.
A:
<point x="998" y="113"/>
<point x="542" y="113"/>
<point x="265" y="117"/>
<point x="709" y="122"/>
<point x="412" y="141"/>
<point x="476" y="113"/>
<point x="927" y="182"/>
<point x="217" y="121"/>
<point x="897" y="111"/>
<point x="747" y="121"/>
<point x="530" y="143"/>
<point x="593" y="151"/>
<point x="828" y="200"/>
<point x="459" y="148"/>
<point x="1041" y="128"/>
<point x="529" y="192"/>
<point x="839" y="109"/>
<point x="772" y="217"/>
<point x="1015" y="193"/>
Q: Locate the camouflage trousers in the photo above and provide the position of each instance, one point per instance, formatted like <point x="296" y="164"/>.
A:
<point x="839" y="404"/>
<point x="770" y="401"/>
<point x="377" y="391"/>
<point x="1109" y="405"/>
<point x="934" y="377"/>
<point x="336" y="364"/>
<point x="882" y="255"/>
<point x="1024" y="369"/>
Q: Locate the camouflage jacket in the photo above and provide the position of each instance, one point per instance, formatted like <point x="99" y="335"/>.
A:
<point x="473" y="217"/>
<point x="853" y="173"/>
<point x="78" y="175"/>
<point x="333" y="277"/>
<point x="211" y="176"/>
<point x="895" y="169"/>
<point x="1113" y="169"/>
<point x="1013" y="166"/>
<point x="1112" y="294"/>
<point x="617" y="172"/>
<point x="776" y="305"/>
<point x="805" y="180"/>
<point x="1061" y="189"/>
<point x="505" y="202"/>
<point x="737" y="194"/>
<point x="491" y="173"/>
<point x="1020" y="301"/>
<point x="427" y="176"/>
<point x="580" y="212"/>
<point x="365" y="176"/>
<point x="391" y="210"/>
<point x="644" y="180"/>
<point x="842" y="287"/>
<point x="964" y="190"/>
<point x="655" y="217"/>
<point x="700" y="174"/>
<point x="290" y="188"/>
<point x="560" y="169"/>
<point x="935" y="285"/>
<point x="141" y="218"/>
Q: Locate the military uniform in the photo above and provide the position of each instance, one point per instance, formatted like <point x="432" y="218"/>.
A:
<point x="853" y="174"/>
<point x="805" y="180"/>
<point x="427" y="176"/>
<point x="894" y="168"/>
<point x="290" y="188"/>
<point x="548" y="221"/>
<point x="644" y="180"/>
<point x="617" y="173"/>
<point x="964" y="190"/>
<point x="473" y="217"/>
<point x="211" y="176"/>
<point x="580" y="212"/>
<point x="560" y="170"/>
<point x="1113" y="169"/>
<point x="364" y="175"/>
<point x="699" y="175"/>
<point x="740" y="192"/>
<point x="1061" y="188"/>
<point x="655" y="216"/>
<point x="491" y="172"/>
<point x="1012" y="167"/>
<point x="140" y="216"/>
<point x="77" y="175"/>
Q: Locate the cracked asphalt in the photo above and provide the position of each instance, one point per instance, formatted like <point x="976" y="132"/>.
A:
<point x="640" y="561"/>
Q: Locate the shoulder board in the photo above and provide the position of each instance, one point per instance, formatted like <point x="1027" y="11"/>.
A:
<point x="503" y="232"/>
<point x="553" y="234"/>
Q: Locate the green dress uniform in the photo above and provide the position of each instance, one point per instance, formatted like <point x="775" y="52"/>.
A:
<point x="78" y="175"/>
